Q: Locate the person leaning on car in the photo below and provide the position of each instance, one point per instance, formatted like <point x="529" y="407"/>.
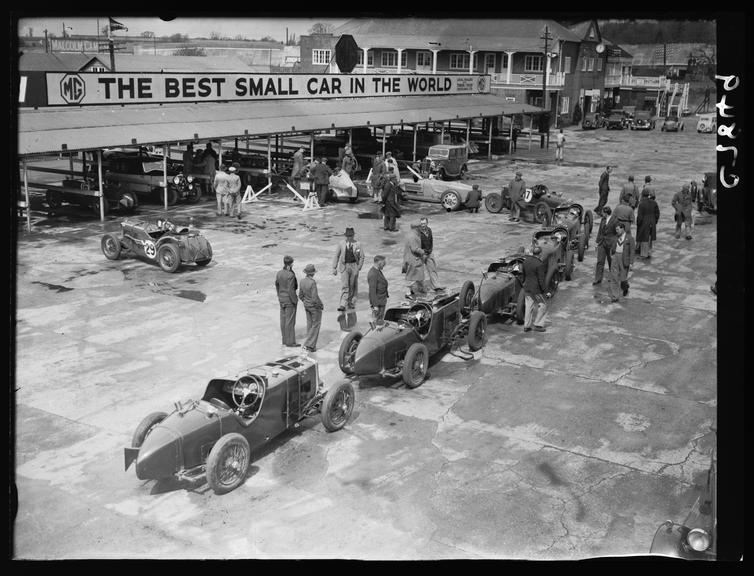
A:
<point x="535" y="291"/>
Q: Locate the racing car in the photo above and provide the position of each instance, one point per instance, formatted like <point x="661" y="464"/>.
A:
<point x="214" y="437"/>
<point x="537" y="203"/>
<point x="412" y="331"/>
<point x="168" y="244"/>
<point x="579" y="223"/>
<point x="500" y="289"/>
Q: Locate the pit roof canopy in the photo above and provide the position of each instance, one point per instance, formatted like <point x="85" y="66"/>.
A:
<point x="52" y="130"/>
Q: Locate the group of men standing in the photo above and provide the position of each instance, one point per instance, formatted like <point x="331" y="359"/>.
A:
<point x="225" y="181"/>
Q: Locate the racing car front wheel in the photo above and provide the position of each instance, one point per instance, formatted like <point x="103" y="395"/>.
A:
<point x="520" y="307"/>
<point x="493" y="202"/>
<point x="111" y="246"/>
<point x="450" y="200"/>
<point x="227" y="463"/>
<point x="347" y="352"/>
<point x="145" y="427"/>
<point x="542" y="213"/>
<point x="477" y="328"/>
<point x="569" y="266"/>
<point x="172" y="195"/>
<point x="337" y="406"/>
<point x="415" y="365"/>
<point x="466" y="296"/>
<point x="168" y="258"/>
<point x="207" y="260"/>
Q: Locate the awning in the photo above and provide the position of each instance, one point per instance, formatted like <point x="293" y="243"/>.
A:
<point x="52" y="130"/>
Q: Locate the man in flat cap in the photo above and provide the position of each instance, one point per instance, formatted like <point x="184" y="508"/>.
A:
<point x="516" y="190"/>
<point x="348" y="260"/>
<point x="313" y="307"/>
<point x="233" y="197"/>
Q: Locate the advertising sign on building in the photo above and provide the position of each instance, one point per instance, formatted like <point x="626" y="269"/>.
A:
<point x="68" y="45"/>
<point x="84" y="88"/>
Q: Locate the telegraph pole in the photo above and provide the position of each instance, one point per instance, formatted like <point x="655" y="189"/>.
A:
<point x="546" y="37"/>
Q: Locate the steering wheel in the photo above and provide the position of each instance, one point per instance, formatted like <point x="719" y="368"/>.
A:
<point x="249" y="389"/>
<point x="419" y="318"/>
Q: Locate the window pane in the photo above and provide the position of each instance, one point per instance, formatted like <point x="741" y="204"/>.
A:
<point x="567" y="64"/>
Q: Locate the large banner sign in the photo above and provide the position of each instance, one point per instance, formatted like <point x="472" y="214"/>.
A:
<point x="84" y="88"/>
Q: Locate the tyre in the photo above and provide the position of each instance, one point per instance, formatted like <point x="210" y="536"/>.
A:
<point x="450" y="200"/>
<point x="145" y="427"/>
<point x="441" y="173"/>
<point x="353" y="200"/>
<point x="168" y="258"/>
<point x="542" y="213"/>
<point x="463" y="172"/>
<point x="553" y="278"/>
<point x="172" y="195"/>
<point x="95" y="206"/>
<point x="130" y="200"/>
<point x="588" y="225"/>
<point x="493" y="202"/>
<point x="415" y="365"/>
<point x="54" y="199"/>
<point x="520" y="307"/>
<point x="569" y="266"/>
<point x="337" y="406"/>
<point x="111" y="246"/>
<point x="347" y="351"/>
<point x="206" y="261"/>
<point x="193" y="195"/>
<point x="477" y="327"/>
<point x="582" y="246"/>
<point x="466" y="296"/>
<point x="227" y="463"/>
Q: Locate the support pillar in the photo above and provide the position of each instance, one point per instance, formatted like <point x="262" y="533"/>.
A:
<point x="434" y="61"/>
<point x="165" y="176"/>
<point x="413" y="158"/>
<point x="26" y="195"/>
<point x="101" y="190"/>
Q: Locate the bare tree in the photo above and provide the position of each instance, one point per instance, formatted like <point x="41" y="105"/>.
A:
<point x="147" y="34"/>
<point x="321" y="28"/>
<point x="240" y="37"/>
<point x="214" y="35"/>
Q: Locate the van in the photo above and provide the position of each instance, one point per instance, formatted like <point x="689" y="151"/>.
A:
<point x="707" y="122"/>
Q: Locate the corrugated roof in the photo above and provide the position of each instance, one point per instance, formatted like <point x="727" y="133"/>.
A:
<point x="152" y="63"/>
<point x="45" y="131"/>
<point x="56" y="62"/>
<point x="453" y="33"/>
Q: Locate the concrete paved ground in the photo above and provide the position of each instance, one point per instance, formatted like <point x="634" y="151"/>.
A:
<point x="574" y="443"/>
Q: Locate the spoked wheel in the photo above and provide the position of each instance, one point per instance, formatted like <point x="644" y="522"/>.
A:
<point x="582" y="246"/>
<point x="168" y="258"/>
<point x="207" y="260"/>
<point x="415" y="365"/>
<point x="337" y="406"/>
<point x="477" y="328"/>
<point x="569" y="266"/>
<point x="227" y="463"/>
<point x="542" y="214"/>
<point x="54" y="199"/>
<point x="347" y="351"/>
<point x="111" y="246"/>
<point x="466" y="296"/>
<point x="493" y="202"/>
<point x="450" y="201"/>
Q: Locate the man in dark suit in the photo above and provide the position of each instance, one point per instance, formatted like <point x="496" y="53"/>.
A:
<point x="604" y="188"/>
<point x="535" y="291"/>
<point x="378" y="294"/>
<point x="622" y="258"/>
<point x="605" y="239"/>
<point x="320" y="175"/>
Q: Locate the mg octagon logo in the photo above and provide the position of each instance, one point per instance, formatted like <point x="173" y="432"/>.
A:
<point x="72" y="89"/>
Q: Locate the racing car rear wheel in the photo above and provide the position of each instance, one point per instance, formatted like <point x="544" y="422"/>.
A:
<point x="347" y="352"/>
<point x="542" y="214"/>
<point x="145" y="427"/>
<point x="466" y="296"/>
<point x="477" y="327"/>
<point x="111" y="246"/>
<point x="227" y="463"/>
<point x="569" y="266"/>
<point x="493" y="202"/>
<point x="415" y="365"/>
<point x="553" y="279"/>
<point x="208" y="259"/>
<point x="168" y="258"/>
<point x="450" y="200"/>
<point x="54" y="199"/>
<point x="337" y="406"/>
<point x="582" y="246"/>
<point x="95" y="206"/>
<point x="520" y="307"/>
<point x="172" y="195"/>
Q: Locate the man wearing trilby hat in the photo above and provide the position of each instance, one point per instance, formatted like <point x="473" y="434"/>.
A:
<point x="313" y="306"/>
<point x="348" y="260"/>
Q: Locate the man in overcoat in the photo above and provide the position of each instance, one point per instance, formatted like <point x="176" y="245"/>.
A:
<point x="391" y="208"/>
<point x="378" y="293"/>
<point x="286" y="286"/>
<point x="647" y="216"/>
<point x="683" y="203"/>
<point x="413" y="262"/>
<point x="516" y="190"/>
<point x="535" y="291"/>
<point x="320" y="175"/>
<point x="604" y="188"/>
<point x="621" y="259"/>
<point x="348" y="260"/>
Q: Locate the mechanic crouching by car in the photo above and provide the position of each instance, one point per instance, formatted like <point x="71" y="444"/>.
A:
<point x="535" y="293"/>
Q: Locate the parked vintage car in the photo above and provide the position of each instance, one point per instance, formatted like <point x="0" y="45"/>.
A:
<point x="214" y="437"/>
<point x="452" y="195"/>
<point x="446" y="161"/>
<point x="616" y="121"/>
<point x="579" y="232"/>
<point x="696" y="537"/>
<point x="592" y="121"/>
<point x="707" y="122"/>
<point x="363" y="143"/>
<point x="671" y="124"/>
<point x="643" y="120"/>
<point x="411" y="333"/>
<point x="80" y="191"/>
<point x="168" y="244"/>
<point x="537" y="203"/>
<point x="401" y="143"/>
<point x="707" y="199"/>
<point x="500" y="290"/>
<point x="253" y="171"/>
<point x="142" y="173"/>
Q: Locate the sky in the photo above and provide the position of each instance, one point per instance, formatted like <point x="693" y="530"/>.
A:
<point x="251" y="28"/>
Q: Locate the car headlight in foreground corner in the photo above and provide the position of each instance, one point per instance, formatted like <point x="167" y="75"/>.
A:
<point x="698" y="539"/>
